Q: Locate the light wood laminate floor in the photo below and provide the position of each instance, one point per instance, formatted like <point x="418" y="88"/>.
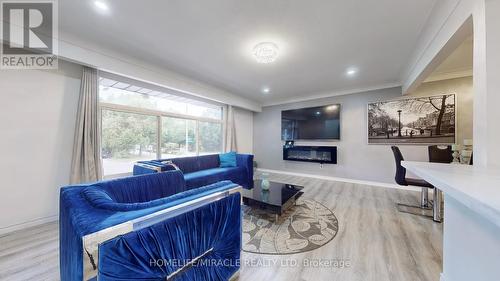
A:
<point x="374" y="241"/>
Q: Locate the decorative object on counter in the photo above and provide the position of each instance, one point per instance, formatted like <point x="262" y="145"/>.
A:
<point x="466" y="154"/>
<point x="456" y="153"/>
<point x="465" y="157"/>
<point x="468" y="144"/>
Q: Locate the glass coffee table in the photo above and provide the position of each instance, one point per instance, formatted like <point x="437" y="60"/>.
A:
<point x="277" y="199"/>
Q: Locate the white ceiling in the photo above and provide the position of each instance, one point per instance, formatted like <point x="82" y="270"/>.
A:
<point x="212" y="40"/>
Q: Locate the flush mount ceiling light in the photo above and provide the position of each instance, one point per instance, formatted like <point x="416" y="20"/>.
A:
<point x="266" y="90"/>
<point x="265" y="52"/>
<point x="351" y="71"/>
<point x="101" y="5"/>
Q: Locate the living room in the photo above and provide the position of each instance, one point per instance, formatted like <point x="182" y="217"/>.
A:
<point x="284" y="140"/>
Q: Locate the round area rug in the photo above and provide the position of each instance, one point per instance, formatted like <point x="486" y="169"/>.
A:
<point x="304" y="227"/>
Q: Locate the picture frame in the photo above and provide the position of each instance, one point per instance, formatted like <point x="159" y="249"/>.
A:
<point x="416" y="120"/>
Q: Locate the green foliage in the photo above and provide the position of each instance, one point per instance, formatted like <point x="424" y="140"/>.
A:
<point x="177" y="134"/>
<point x="210" y="137"/>
<point x="126" y="135"/>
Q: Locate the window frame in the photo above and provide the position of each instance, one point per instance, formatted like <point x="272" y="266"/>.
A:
<point x="159" y="114"/>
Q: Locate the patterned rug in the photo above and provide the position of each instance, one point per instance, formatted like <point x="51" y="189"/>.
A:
<point x="304" y="227"/>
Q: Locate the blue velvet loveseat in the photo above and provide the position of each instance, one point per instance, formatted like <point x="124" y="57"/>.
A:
<point x="203" y="170"/>
<point x="150" y="227"/>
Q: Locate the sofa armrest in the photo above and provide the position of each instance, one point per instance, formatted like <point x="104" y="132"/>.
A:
<point x="143" y="169"/>
<point x="246" y="161"/>
<point x="151" y="167"/>
<point x="182" y="205"/>
<point x="210" y="234"/>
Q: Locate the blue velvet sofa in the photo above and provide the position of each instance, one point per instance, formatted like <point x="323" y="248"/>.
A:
<point x="150" y="227"/>
<point x="203" y="170"/>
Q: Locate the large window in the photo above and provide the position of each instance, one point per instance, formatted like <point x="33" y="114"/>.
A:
<point x="178" y="137"/>
<point x="209" y="139"/>
<point x="142" y="124"/>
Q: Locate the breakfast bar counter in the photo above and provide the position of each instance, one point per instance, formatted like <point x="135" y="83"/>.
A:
<point x="471" y="235"/>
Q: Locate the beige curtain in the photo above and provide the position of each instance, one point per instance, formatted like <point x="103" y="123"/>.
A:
<point x="230" y="138"/>
<point x="86" y="165"/>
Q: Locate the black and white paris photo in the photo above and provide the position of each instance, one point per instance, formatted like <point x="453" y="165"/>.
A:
<point x="419" y="120"/>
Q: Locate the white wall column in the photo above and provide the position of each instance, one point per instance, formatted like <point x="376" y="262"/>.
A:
<point x="486" y="17"/>
<point x="492" y="28"/>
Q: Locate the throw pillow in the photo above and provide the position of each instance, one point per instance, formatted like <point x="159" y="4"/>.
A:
<point x="227" y="159"/>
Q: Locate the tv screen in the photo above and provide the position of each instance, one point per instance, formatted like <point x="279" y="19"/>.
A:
<point x="314" y="123"/>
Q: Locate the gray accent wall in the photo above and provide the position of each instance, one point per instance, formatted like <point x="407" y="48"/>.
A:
<point x="356" y="159"/>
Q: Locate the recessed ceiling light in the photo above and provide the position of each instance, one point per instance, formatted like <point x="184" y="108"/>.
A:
<point x="101" y="5"/>
<point x="266" y="90"/>
<point x="265" y="52"/>
<point x="351" y="71"/>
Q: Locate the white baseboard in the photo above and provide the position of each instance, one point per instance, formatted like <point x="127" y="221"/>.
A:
<point x="362" y="182"/>
<point x="24" y="225"/>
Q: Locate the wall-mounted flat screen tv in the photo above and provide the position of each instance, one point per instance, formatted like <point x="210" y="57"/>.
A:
<point x="313" y="123"/>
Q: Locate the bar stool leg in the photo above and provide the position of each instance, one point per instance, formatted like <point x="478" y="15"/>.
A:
<point x="424" y="197"/>
<point x="436" y="208"/>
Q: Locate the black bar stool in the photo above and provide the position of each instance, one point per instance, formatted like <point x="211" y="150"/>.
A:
<point x="401" y="179"/>
<point x="440" y="154"/>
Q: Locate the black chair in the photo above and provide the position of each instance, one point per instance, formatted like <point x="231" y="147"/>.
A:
<point x="440" y="154"/>
<point x="401" y="179"/>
